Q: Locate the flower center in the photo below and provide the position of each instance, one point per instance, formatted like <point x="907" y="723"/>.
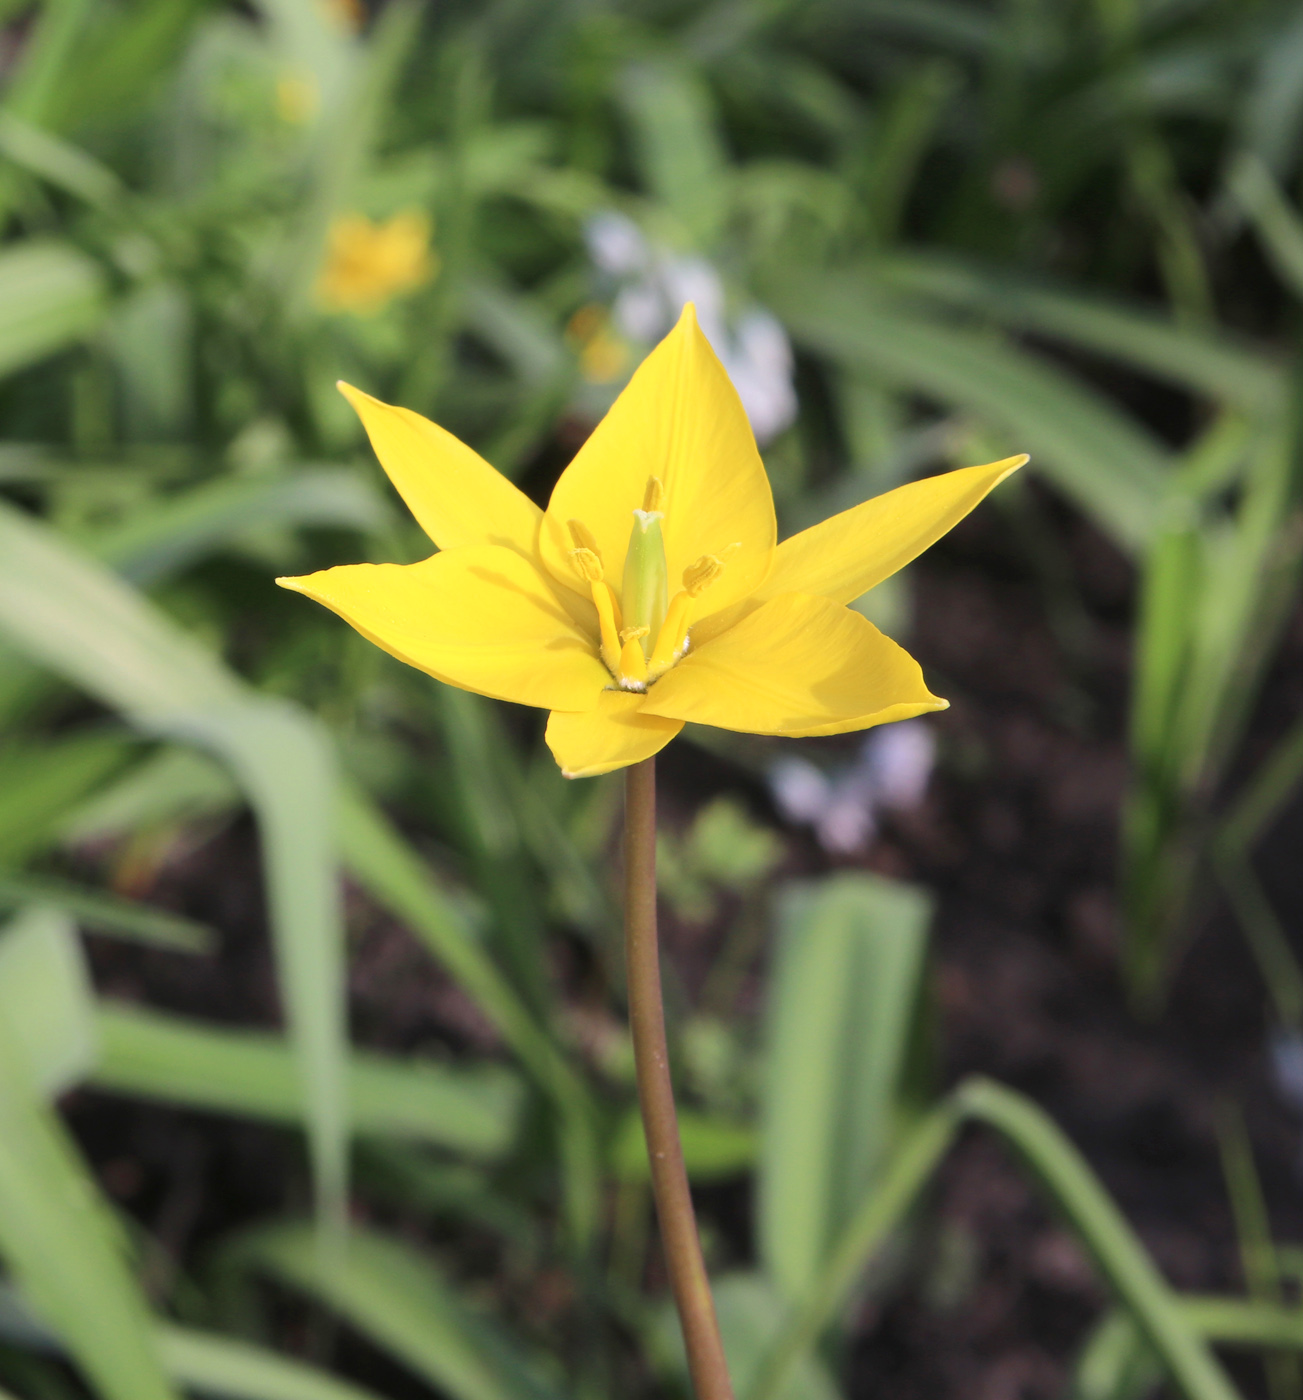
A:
<point x="643" y="632"/>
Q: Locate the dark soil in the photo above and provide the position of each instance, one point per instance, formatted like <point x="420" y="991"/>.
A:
<point x="1018" y="839"/>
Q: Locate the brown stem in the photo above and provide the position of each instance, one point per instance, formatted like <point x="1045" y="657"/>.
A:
<point x="678" y="1224"/>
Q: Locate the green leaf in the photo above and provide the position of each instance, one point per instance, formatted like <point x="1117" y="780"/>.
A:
<point x="62" y="165"/>
<point x="203" y="1362"/>
<point x="883" y="1208"/>
<point x="842" y="1002"/>
<point x="168" y="535"/>
<point x="676" y="142"/>
<point x="1213" y="365"/>
<point x="1274" y="219"/>
<point x="397" y="1299"/>
<point x="394" y="876"/>
<point x="40" y="780"/>
<point x="714" y="1149"/>
<point x="109" y="913"/>
<point x="1110" y="466"/>
<point x="749" y="1312"/>
<point x="212" y="1365"/>
<point x="171" y="786"/>
<point x="252" y="1073"/>
<point x="68" y="613"/>
<point x="62" y="1244"/>
<point x="1121" y="1258"/>
<point x="46" y="1000"/>
<point x="51" y="296"/>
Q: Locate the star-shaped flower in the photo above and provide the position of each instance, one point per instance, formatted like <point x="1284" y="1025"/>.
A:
<point x="652" y="591"/>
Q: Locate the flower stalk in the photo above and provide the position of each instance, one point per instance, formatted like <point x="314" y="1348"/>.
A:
<point x="678" y="1223"/>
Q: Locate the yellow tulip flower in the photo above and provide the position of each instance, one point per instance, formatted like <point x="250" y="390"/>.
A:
<point x="652" y="591"/>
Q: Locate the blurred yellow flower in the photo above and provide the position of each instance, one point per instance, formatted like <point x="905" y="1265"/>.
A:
<point x="297" y="98"/>
<point x="572" y="609"/>
<point x="603" y="356"/>
<point x="368" y="264"/>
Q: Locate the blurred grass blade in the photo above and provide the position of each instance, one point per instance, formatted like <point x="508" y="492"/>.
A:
<point x="1107" y="464"/>
<point x="382" y="862"/>
<point x="51" y="296"/>
<point x="842" y="1000"/>
<point x="750" y="1311"/>
<point x="1274" y="220"/>
<point x="1271" y="116"/>
<point x="62" y="1245"/>
<point x="285" y="766"/>
<point x="47" y="58"/>
<point x="203" y="1362"/>
<point x="1116" y="1364"/>
<point x="46" y="1003"/>
<point x="885" y="1205"/>
<point x="714" y="1148"/>
<point x="395" y="1297"/>
<point x="166" y="536"/>
<point x="1215" y="366"/>
<point x="87" y="625"/>
<point x="1121" y="1258"/>
<point x="234" y="1370"/>
<point x="58" y="163"/>
<point x="172" y="785"/>
<point x="252" y="1074"/>
<point x="109" y="913"/>
<point x="676" y="142"/>
<point x="42" y="779"/>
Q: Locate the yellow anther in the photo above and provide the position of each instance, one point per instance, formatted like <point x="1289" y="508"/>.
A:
<point x="699" y="576"/>
<point x="589" y="563"/>
<point x="632" y="673"/>
<point x="608" y="622"/>
<point x="583" y="538"/>
<point x="672" y="639"/>
<point x="653" y="494"/>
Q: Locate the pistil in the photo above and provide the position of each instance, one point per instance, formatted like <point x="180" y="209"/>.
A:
<point x="646" y="579"/>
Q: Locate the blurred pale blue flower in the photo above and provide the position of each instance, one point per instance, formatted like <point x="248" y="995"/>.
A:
<point x="652" y="286"/>
<point x="890" y="773"/>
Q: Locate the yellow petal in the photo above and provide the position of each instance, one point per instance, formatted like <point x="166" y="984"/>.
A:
<point x="613" y="735"/>
<point x="680" y="420"/>
<point x="846" y="555"/>
<point x="481" y="618"/>
<point x="457" y="498"/>
<point x="797" y="665"/>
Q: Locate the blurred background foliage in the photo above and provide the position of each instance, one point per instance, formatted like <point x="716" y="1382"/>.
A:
<point x="921" y="234"/>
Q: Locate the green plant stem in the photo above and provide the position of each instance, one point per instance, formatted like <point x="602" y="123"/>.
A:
<point x="678" y="1224"/>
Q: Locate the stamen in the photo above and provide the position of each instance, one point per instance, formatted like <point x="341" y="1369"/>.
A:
<point x="653" y="494"/>
<point x="588" y="560"/>
<point x="588" y="563"/>
<point x="672" y="639"/>
<point x="583" y="538"/>
<point x="632" y="673"/>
